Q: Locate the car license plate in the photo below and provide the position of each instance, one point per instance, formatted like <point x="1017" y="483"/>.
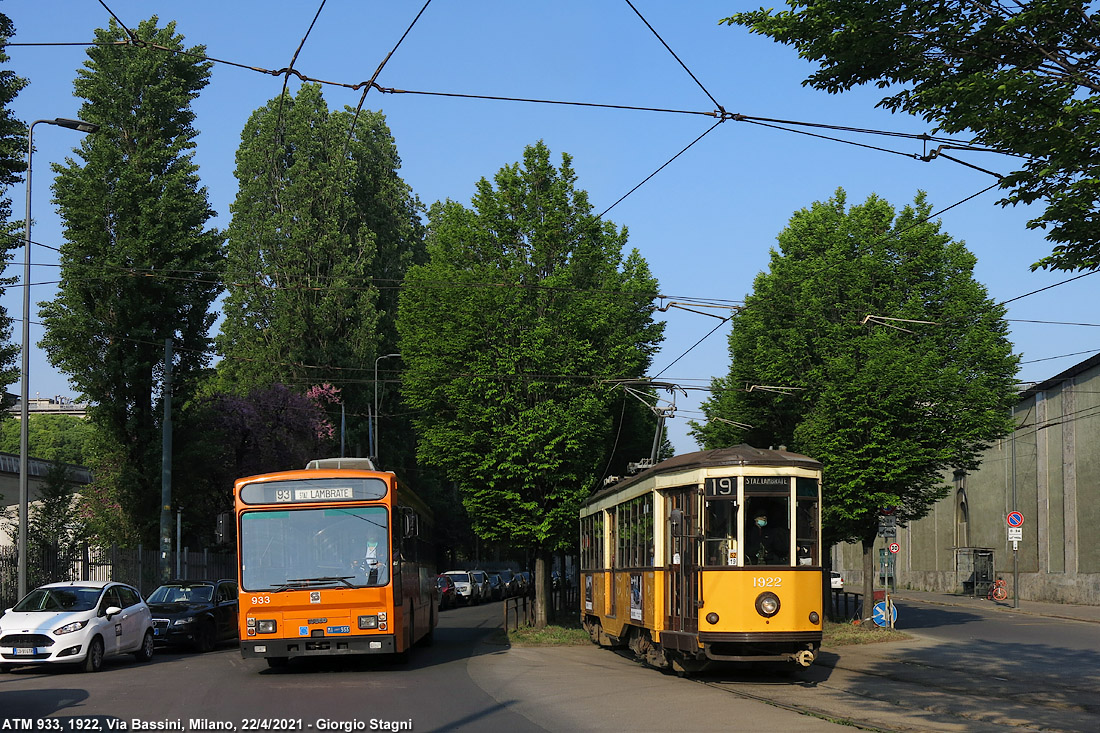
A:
<point x="25" y="652"/>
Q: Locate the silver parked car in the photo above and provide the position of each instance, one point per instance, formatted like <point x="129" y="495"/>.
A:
<point x="482" y="579"/>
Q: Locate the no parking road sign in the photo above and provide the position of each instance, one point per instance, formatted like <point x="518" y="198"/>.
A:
<point x="1015" y="519"/>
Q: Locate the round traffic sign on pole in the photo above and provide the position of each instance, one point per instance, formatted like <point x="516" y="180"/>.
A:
<point x="1015" y="519"/>
<point x="895" y="547"/>
<point x="879" y="614"/>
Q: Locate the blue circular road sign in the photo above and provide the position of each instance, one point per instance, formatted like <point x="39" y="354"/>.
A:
<point x="879" y="615"/>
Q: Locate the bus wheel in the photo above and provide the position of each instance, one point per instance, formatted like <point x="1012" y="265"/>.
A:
<point x="277" y="662"/>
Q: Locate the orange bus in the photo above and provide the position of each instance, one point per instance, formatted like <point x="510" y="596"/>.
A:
<point x="334" y="559"/>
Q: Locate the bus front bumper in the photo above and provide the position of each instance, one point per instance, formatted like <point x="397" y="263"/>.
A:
<point x="319" y="646"/>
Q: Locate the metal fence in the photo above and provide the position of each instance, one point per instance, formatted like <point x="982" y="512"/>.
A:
<point x="139" y="567"/>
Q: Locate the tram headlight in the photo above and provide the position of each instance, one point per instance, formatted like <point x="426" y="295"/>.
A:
<point x="814" y="618"/>
<point x="712" y="618"/>
<point x="767" y="604"/>
<point x="266" y="626"/>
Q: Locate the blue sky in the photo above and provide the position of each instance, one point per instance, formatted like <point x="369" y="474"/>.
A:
<point x="705" y="223"/>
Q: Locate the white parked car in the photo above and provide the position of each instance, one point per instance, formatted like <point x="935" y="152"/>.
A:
<point x="837" y="580"/>
<point x="79" y="623"/>
<point x="466" y="588"/>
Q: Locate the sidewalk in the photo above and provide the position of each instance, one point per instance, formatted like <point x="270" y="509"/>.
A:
<point x="1033" y="608"/>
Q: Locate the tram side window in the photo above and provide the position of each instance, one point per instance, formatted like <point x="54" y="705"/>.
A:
<point x="806" y="525"/>
<point x="721" y="532"/>
<point x="768" y="530"/>
<point x="635" y="532"/>
<point x="592" y="542"/>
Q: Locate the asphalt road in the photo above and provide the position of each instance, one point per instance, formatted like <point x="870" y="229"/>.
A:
<point x="461" y="683"/>
<point x="964" y="669"/>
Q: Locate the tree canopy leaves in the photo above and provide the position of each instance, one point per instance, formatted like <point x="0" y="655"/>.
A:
<point x="13" y="149"/>
<point x="1024" y="77"/>
<point x="323" y="230"/>
<point x="525" y="306"/>
<point x="896" y="366"/>
<point x="137" y="261"/>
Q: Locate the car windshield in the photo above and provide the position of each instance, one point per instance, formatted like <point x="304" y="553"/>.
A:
<point x="70" y="598"/>
<point x="182" y="594"/>
<point x="460" y="577"/>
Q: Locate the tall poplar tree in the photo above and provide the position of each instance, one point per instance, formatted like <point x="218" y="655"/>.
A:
<point x="508" y="335"/>
<point x="322" y="233"/>
<point x="138" y="263"/>
<point x="896" y="364"/>
<point x="13" y="150"/>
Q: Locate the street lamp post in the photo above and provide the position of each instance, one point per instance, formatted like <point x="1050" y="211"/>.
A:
<point x="384" y="356"/>
<point x="24" y="392"/>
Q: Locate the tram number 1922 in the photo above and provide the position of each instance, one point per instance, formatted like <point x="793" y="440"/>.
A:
<point x="774" y="581"/>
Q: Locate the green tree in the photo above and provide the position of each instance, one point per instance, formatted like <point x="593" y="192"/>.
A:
<point x="13" y="146"/>
<point x="1024" y="77"/>
<point x="137" y="261"/>
<point x="525" y="305"/>
<point x="62" y="438"/>
<point x="322" y="233"/>
<point x="888" y="406"/>
<point x="221" y="438"/>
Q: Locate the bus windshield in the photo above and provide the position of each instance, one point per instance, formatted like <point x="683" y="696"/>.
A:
<point x="308" y="548"/>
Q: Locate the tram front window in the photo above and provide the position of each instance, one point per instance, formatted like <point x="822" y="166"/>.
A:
<point x="721" y="533"/>
<point x="768" y="532"/>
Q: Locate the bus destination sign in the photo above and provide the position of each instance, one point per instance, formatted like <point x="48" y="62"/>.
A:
<point x="314" y="491"/>
<point x="322" y="494"/>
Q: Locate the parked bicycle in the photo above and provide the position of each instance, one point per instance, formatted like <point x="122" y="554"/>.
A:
<point x="998" y="591"/>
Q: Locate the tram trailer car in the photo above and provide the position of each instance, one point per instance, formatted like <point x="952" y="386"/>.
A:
<point x="707" y="557"/>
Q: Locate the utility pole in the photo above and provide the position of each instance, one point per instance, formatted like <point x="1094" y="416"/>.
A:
<point x="1015" y="548"/>
<point x="166" y="468"/>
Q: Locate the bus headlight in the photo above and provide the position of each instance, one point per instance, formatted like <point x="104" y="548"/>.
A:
<point x="368" y="622"/>
<point x="767" y="604"/>
<point x="266" y="626"/>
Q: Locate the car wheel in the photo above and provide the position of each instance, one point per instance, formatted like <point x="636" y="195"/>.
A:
<point x="145" y="653"/>
<point x="207" y="638"/>
<point x="93" y="662"/>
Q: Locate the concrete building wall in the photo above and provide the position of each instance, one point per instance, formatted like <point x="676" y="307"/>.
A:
<point x="36" y="478"/>
<point x="1049" y="470"/>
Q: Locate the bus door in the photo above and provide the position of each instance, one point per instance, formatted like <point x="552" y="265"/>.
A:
<point x="682" y="602"/>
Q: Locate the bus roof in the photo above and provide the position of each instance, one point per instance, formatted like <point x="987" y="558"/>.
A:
<point x="360" y="464"/>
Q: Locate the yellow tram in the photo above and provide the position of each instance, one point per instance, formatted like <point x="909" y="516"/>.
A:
<point x="706" y="557"/>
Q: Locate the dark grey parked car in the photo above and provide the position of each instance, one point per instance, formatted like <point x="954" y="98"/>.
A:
<point x="197" y="613"/>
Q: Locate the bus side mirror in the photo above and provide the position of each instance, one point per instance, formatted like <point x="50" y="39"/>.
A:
<point x="676" y="519"/>
<point x="411" y="527"/>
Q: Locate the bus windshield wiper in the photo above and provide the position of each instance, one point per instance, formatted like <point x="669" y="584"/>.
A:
<point x="294" y="583"/>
